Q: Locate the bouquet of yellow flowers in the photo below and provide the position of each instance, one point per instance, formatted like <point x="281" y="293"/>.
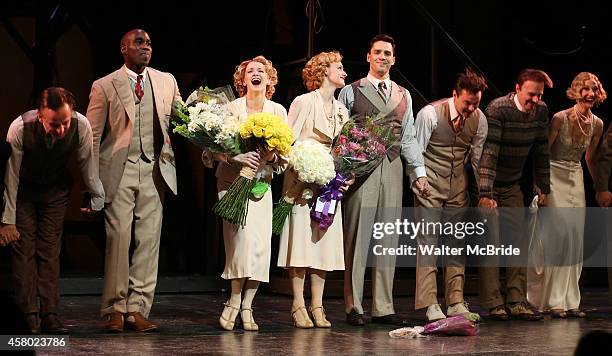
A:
<point x="264" y="130"/>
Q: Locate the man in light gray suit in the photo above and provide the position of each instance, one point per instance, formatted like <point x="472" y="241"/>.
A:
<point x="129" y="111"/>
<point x="377" y="197"/>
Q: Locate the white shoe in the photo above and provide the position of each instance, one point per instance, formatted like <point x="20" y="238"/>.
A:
<point x="462" y="309"/>
<point x="434" y="313"/>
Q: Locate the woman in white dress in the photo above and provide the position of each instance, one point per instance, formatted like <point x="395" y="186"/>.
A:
<point x="572" y="132"/>
<point x="248" y="248"/>
<point x="317" y="116"/>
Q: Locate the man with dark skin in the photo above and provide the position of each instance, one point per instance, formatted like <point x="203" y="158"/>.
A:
<point x="129" y="111"/>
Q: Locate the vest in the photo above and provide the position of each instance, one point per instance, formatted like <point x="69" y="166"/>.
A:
<point x="363" y="107"/>
<point x="446" y="151"/>
<point x="142" y="143"/>
<point x="43" y="163"/>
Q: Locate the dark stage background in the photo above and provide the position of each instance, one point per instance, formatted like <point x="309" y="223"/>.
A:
<point x="70" y="44"/>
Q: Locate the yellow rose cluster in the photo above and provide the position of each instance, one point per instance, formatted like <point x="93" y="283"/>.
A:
<point x="271" y="128"/>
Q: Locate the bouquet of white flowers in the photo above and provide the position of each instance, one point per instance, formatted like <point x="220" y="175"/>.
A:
<point x="313" y="164"/>
<point x="205" y="121"/>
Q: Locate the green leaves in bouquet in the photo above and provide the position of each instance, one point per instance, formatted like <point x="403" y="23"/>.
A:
<point x="181" y="120"/>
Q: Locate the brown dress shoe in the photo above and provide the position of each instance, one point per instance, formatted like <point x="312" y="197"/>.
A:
<point x="498" y="313"/>
<point x="51" y="324"/>
<point x="32" y="321"/>
<point x="114" y="323"/>
<point x="137" y="322"/>
<point x="521" y="311"/>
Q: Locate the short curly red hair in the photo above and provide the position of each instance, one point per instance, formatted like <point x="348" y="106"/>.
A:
<point x="270" y="71"/>
<point x="579" y="82"/>
<point x="313" y="73"/>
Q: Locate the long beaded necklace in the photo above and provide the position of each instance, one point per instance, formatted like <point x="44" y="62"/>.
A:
<point x="579" y="117"/>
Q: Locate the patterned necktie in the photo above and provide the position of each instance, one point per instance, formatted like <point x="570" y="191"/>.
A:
<point x="458" y="123"/>
<point x="382" y="90"/>
<point x="138" y="88"/>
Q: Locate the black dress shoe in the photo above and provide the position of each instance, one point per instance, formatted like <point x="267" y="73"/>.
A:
<point x="390" y="319"/>
<point x="51" y="324"/>
<point x="32" y="321"/>
<point x="354" y="318"/>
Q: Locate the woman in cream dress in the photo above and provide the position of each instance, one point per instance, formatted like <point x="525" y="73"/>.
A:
<point x="248" y="249"/>
<point x="572" y="132"/>
<point x="303" y="246"/>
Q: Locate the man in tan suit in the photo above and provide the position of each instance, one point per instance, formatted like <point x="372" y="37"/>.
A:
<point x="129" y="111"/>
<point x="450" y="131"/>
<point x="377" y="197"/>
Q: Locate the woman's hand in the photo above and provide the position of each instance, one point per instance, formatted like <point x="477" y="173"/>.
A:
<point x="350" y="181"/>
<point x="249" y="159"/>
<point x="266" y="154"/>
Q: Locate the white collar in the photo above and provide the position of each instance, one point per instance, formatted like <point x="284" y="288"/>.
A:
<point x="133" y="76"/>
<point x="375" y="81"/>
<point x="454" y="114"/>
<point x="518" y="104"/>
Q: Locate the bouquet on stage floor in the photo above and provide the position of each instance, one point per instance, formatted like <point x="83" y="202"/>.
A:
<point x="313" y="164"/>
<point x="262" y="130"/>
<point x="455" y="325"/>
<point x="204" y="120"/>
<point x="360" y="147"/>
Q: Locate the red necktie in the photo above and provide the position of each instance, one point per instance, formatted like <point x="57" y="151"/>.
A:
<point x="138" y="88"/>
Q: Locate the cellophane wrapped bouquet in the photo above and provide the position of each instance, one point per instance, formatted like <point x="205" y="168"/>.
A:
<point x="360" y="147"/>
<point x="313" y="164"/>
<point x="204" y="120"/>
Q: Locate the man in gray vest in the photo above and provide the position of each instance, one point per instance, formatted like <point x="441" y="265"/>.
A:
<point x="36" y="196"/>
<point x="129" y="111"/>
<point x="377" y="197"/>
<point x="452" y="131"/>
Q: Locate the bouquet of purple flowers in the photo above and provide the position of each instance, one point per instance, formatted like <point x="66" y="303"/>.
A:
<point x="455" y="325"/>
<point x="360" y="147"/>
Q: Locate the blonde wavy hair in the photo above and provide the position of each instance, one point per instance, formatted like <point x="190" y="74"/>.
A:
<point x="313" y="73"/>
<point x="270" y="71"/>
<point x="579" y="83"/>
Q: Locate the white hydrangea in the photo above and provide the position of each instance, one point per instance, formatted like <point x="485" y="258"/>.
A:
<point x="313" y="162"/>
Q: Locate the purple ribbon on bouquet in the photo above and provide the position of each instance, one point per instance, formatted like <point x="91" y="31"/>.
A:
<point x="327" y="194"/>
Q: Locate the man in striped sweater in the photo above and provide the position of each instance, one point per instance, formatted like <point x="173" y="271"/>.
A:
<point x="518" y="124"/>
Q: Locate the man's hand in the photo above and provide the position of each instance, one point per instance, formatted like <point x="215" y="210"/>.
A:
<point x="249" y="159"/>
<point x="604" y="199"/>
<point x="542" y="199"/>
<point x="89" y="212"/>
<point x="8" y="234"/>
<point x="423" y="186"/>
<point x="485" y="202"/>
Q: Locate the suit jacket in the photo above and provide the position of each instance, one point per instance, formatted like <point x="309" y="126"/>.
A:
<point x="111" y="114"/>
<point x="307" y="120"/>
<point x="603" y="171"/>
